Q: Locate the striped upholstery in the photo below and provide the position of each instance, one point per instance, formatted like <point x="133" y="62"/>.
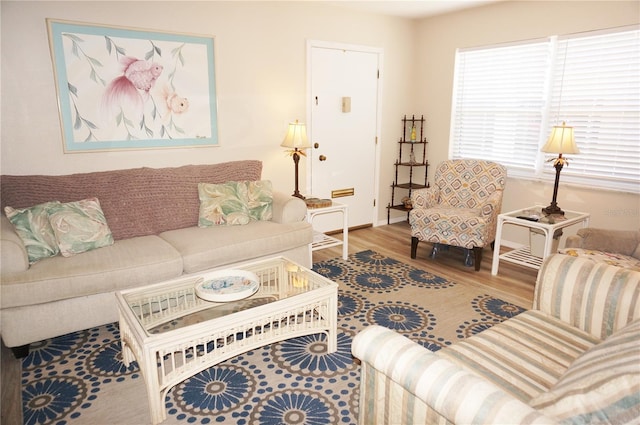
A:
<point x="595" y="297"/>
<point x="604" y="382"/>
<point x="524" y="355"/>
<point x="403" y="383"/>
<point x="493" y="376"/>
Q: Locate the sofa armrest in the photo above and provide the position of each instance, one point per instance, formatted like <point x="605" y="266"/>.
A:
<point x="624" y="242"/>
<point x="595" y="297"/>
<point x="573" y="241"/>
<point x="425" y="198"/>
<point x="288" y="209"/>
<point x="13" y="254"/>
<point x="403" y="382"/>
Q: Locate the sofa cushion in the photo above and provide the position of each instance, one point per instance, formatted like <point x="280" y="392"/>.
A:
<point x="621" y="241"/>
<point x="602" y="386"/>
<point x="79" y="226"/>
<point x="33" y="226"/>
<point x="126" y="263"/>
<point x="204" y="248"/>
<point x="524" y="355"/>
<point x="222" y="204"/>
<point x="234" y="203"/>
<point x="611" y="258"/>
<point x="260" y="199"/>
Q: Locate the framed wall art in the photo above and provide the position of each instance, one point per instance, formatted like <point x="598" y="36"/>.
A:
<point x="124" y="88"/>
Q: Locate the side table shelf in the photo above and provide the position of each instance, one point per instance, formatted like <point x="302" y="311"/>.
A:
<point x="523" y="257"/>
<point x="322" y="241"/>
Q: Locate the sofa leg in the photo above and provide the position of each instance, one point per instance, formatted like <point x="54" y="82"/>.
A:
<point x="20" y="352"/>
<point x="414" y="246"/>
<point x="477" y="250"/>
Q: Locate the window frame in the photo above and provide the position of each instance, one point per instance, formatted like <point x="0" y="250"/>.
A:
<point x="551" y="105"/>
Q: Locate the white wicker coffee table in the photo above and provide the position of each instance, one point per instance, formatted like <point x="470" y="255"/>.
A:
<point x="174" y="334"/>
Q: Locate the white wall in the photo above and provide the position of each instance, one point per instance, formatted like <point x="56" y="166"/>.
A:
<point x="261" y="81"/>
<point x="438" y="38"/>
<point x="260" y="50"/>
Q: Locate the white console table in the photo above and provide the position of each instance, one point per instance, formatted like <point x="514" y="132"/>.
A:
<point x="322" y="241"/>
<point x="548" y="226"/>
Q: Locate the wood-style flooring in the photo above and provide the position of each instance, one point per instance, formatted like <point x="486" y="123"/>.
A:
<point x="513" y="283"/>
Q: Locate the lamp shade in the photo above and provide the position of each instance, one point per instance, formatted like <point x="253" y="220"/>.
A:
<point x="296" y="136"/>
<point x="561" y="140"/>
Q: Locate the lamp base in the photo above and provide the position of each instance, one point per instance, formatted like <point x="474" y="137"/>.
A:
<point x="552" y="209"/>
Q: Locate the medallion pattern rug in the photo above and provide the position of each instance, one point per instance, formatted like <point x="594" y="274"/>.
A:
<point x="80" y="379"/>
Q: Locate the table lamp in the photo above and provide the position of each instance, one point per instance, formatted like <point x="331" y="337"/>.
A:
<point x="296" y="141"/>
<point x="560" y="141"/>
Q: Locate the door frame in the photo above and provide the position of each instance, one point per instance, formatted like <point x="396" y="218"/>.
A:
<point x="379" y="51"/>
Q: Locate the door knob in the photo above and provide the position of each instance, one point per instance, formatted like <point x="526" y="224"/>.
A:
<point x="316" y="145"/>
<point x="322" y="158"/>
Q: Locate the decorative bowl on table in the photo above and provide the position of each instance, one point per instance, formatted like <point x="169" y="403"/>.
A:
<point x="227" y="285"/>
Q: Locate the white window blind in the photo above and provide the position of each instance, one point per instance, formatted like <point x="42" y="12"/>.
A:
<point x="498" y="103"/>
<point x="507" y="98"/>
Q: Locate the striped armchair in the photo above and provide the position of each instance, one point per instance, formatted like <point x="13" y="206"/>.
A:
<point x="461" y="208"/>
<point x="573" y="358"/>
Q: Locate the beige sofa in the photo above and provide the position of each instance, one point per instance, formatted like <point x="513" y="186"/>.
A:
<point x="153" y="216"/>
<point x="616" y="247"/>
<point x="572" y="359"/>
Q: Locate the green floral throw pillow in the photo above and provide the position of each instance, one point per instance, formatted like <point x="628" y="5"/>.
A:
<point x="235" y="203"/>
<point x="223" y="204"/>
<point x="260" y="199"/>
<point x="79" y="226"/>
<point x="33" y="227"/>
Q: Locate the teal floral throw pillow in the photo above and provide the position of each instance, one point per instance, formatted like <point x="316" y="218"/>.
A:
<point x="234" y="203"/>
<point x="33" y="227"/>
<point x="79" y="226"/>
<point x="260" y="199"/>
<point x="223" y="204"/>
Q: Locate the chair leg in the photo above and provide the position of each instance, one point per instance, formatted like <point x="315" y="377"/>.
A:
<point x="414" y="246"/>
<point x="477" y="250"/>
<point x="468" y="258"/>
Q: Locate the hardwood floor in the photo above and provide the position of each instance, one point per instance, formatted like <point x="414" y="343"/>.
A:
<point x="11" y="398"/>
<point x="513" y="283"/>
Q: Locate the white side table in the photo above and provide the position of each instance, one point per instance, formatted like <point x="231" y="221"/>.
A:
<point x="523" y="256"/>
<point x="322" y="241"/>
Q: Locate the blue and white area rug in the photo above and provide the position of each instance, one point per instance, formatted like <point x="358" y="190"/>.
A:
<point x="80" y="379"/>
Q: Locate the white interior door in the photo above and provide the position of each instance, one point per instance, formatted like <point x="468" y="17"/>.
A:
<point x="344" y="85"/>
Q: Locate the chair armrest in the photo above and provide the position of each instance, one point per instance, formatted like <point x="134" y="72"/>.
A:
<point x="13" y="254"/>
<point x="595" y="297"/>
<point x="425" y="198"/>
<point x="288" y="209"/>
<point x="410" y="375"/>
<point x="615" y="241"/>
<point x="492" y="205"/>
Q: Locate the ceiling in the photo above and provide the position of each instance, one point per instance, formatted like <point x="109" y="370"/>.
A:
<point x="411" y="8"/>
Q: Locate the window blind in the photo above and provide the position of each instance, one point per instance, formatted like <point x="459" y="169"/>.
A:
<point x="498" y="103"/>
<point x="506" y="99"/>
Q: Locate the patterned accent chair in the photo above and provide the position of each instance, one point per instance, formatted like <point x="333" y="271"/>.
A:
<point x="461" y="208"/>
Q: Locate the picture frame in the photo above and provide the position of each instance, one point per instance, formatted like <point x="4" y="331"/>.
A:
<point x="122" y="88"/>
